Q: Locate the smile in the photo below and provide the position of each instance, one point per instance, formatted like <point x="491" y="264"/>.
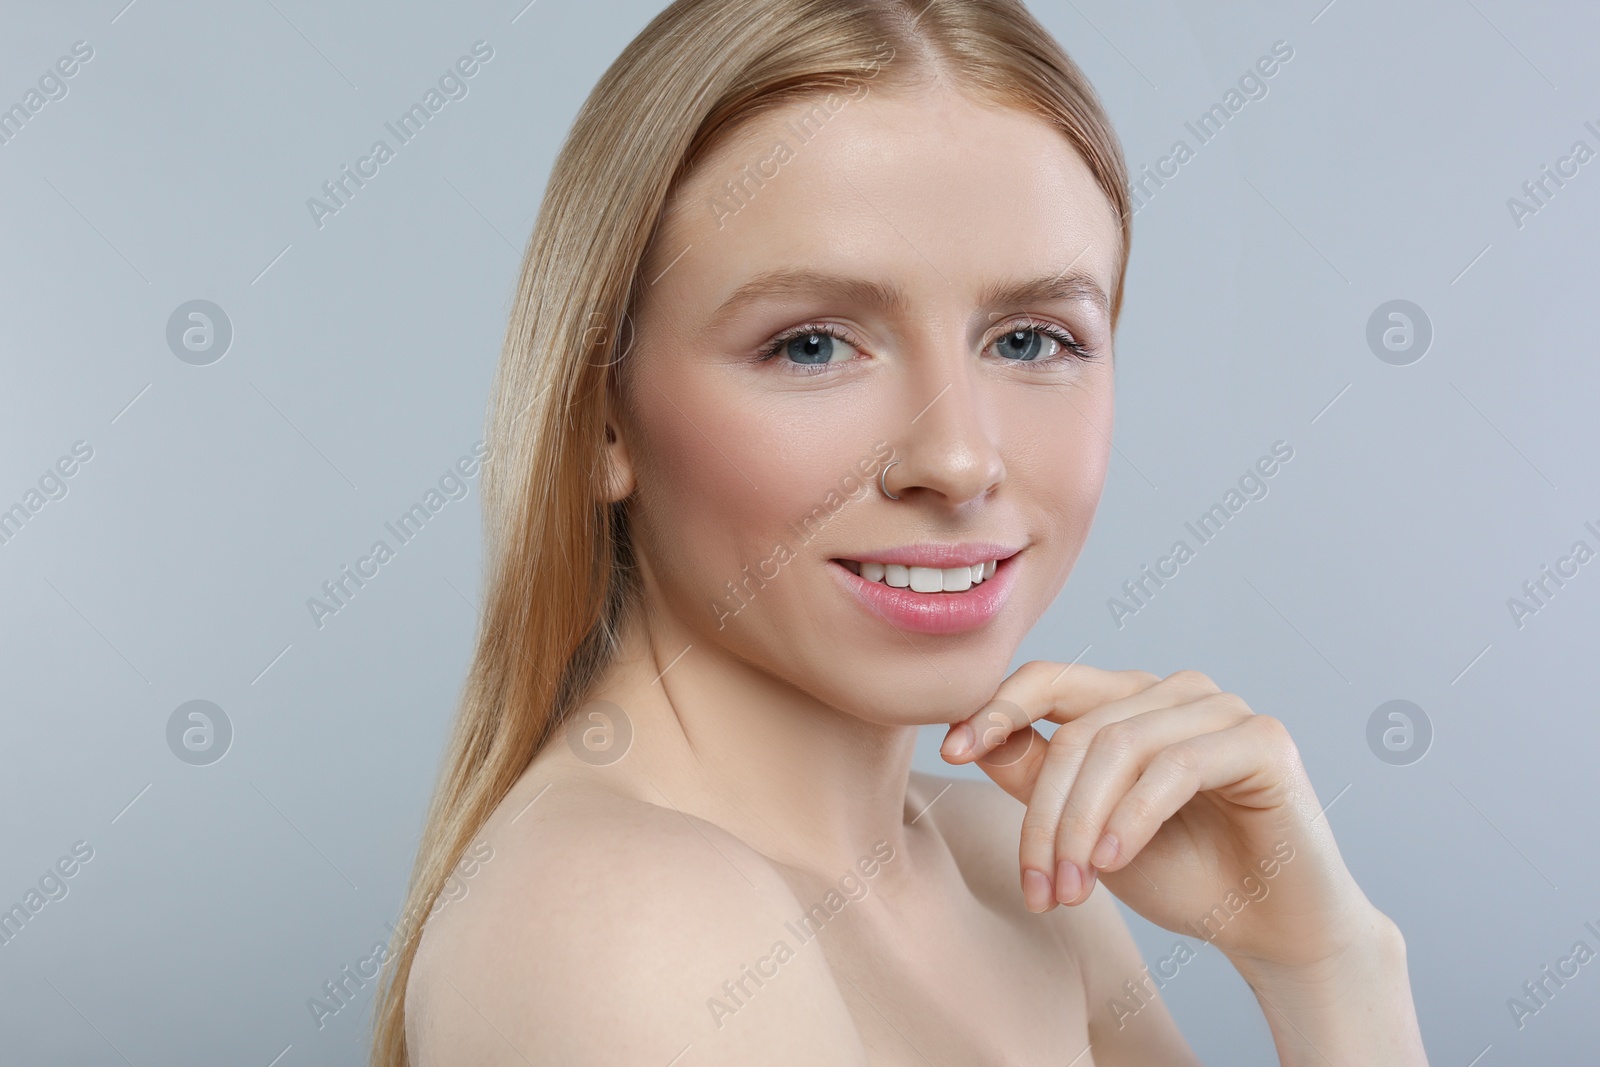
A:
<point x="923" y="579"/>
<point x="906" y="590"/>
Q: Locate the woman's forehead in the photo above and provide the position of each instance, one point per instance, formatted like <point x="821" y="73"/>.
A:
<point x="888" y="183"/>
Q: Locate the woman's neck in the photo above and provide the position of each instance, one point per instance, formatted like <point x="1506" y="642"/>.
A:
<point x="715" y="737"/>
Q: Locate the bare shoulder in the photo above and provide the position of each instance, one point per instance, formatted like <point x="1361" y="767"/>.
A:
<point x="607" y="930"/>
<point x="982" y="826"/>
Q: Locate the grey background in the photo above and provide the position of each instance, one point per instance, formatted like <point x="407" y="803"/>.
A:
<point x="220" y="497"/>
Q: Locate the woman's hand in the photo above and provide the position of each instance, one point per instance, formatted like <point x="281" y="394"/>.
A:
<point x="1193" y="809"/>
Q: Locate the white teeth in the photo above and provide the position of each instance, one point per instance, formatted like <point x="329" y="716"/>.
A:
<point x="926" y="579"/>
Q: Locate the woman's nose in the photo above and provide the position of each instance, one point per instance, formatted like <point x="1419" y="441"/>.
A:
<point x="949" y="448"/>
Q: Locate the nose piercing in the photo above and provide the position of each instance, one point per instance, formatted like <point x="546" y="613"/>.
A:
<point x="884" y="474"/>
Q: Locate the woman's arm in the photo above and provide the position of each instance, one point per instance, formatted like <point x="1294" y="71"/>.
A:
<point x="1197" y="812"/>
<point x="1354" y="1008"/>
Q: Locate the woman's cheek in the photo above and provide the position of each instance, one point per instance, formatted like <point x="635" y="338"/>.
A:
<point x="1077" y="425"/>
<point x="711" y="504"/>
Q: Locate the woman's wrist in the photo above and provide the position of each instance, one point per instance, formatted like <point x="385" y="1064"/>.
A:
<point x="1352" y="1009"/>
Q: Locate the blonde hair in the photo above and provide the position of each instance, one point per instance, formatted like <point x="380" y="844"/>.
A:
<point x="559" y="575"/>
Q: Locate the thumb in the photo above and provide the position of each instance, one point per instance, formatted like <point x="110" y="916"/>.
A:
<point x="1013" y="764"/>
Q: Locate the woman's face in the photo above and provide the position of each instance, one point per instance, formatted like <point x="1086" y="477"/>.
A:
<point x="919" y="267"/>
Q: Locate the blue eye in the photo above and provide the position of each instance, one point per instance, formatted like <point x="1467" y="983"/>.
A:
<point x="811" y="348"/>
<point x="1022" y="344"/>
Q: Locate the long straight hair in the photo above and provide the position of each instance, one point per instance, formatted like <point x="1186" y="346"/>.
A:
<point x="559" y="575"/>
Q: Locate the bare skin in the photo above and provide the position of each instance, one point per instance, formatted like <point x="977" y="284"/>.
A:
<point x="634" y="909"/>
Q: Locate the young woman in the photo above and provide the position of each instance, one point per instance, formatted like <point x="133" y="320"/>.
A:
<point x="802" y="420"/>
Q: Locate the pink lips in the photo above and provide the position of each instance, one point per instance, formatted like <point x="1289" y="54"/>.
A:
<point x="934" y="613"/>
<point x="932" y="555"/>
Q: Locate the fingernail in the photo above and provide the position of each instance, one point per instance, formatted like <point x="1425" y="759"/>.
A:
<point x="1035" y="889"/>
<point x="959" y="743"/>
<point x="1068" y="881"/>
<point x="1104" y="852"/>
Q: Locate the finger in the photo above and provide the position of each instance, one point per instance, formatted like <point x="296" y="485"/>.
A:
<point x="1232" y="757"/>
<point x="1059" y="766"/>
<point x="1063" y="765"/>
<point x="1039" y="689"/>
<point x="1117" y="757"/>
<point x="1014" y="765"/>
<point x="1012" y="752"/>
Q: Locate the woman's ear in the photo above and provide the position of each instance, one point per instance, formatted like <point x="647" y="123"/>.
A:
<point x="618" y="465"/>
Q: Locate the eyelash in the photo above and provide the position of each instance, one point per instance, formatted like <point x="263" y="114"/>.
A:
<point x="1070" y="347"/>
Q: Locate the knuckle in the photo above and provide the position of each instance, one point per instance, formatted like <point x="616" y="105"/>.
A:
<point x="1272" y="728"/>
<point x="1278" y="736"/>
<point x="1148" y="678"/>
<point x="1075" y="827"/>
<point x="1036" y="668"/>
<point x="1191" y="681"/>
<point x="1138" y="809"/>
<point x="1182" y="761"/>
<point x="1233" y="702"/>
<point x="1072" y="736"/>
<point x="1118" y="738"/>
<point x="1038" y="836"/>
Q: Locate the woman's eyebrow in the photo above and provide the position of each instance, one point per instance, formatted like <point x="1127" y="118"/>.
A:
<point x="1071" y="285"/>
<point x="789" y="281"/>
